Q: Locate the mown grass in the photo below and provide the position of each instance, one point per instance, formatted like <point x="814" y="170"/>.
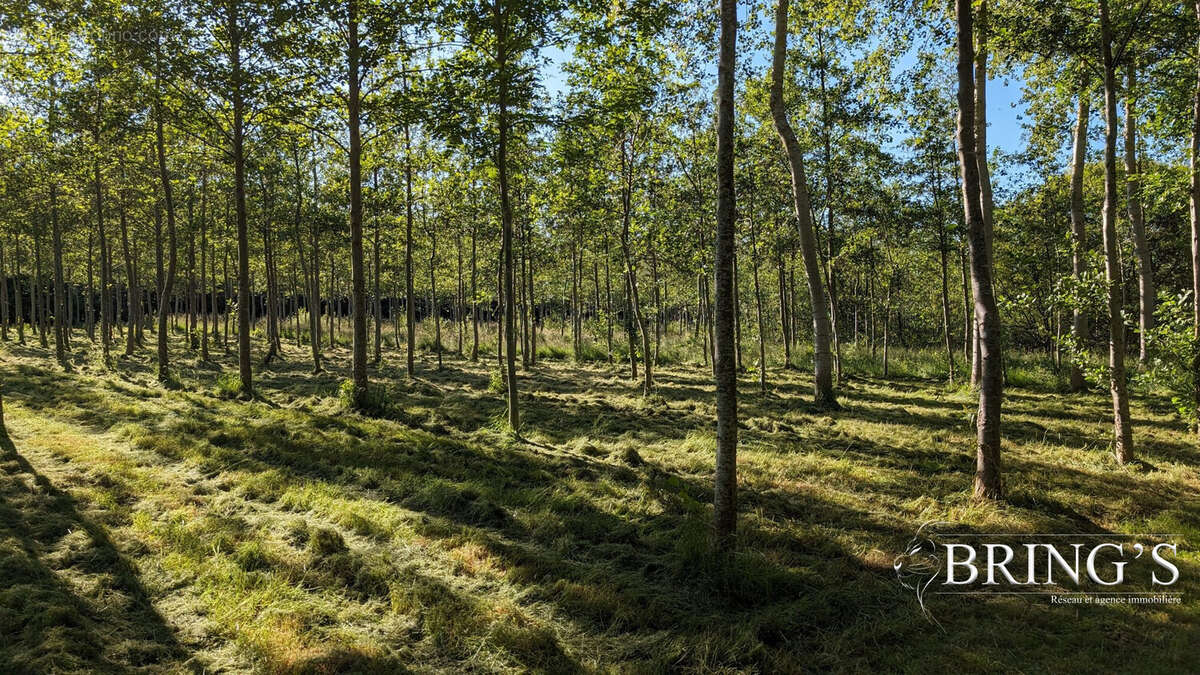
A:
<point x="181" y="530"/>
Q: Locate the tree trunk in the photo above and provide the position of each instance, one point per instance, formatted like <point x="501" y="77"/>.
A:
<point x="758" y="303"/>
<point x="784" y="312"/>
<point x="943" y="250"/>
<point x="627" y="167"/>
<point x="168" y="283"/>
<point x="985" y="175"/>
<point x="239" y="186"/>
<point x="822" y="358"/>
<point x="1078" y="232"/>
<point x="39" y="290"/>
<point x="1195" y="217"/>
<point x="988" y="482"/>
<point x="1122" y="430"/>
<point x="204" y="306"/>
<point x="358" y="281"/>
<point x="409" y="297"/>
<point x="61" y="319"/>
<point x="506" y="216"/>
<point x="378" y="305"/>
<point x="725" y="490"/>
<point x="474" y="292"/>
<point x="608" y="295"/>
<point x="1133" y="180"/>
<point x="19" y="291"/>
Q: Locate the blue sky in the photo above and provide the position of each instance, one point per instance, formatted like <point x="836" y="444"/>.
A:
<point x="1005" y="107"/>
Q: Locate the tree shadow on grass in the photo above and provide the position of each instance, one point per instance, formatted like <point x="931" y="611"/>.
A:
<point x="46" y="623"/>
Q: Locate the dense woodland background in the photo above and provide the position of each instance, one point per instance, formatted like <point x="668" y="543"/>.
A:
<point x="347" y="335"/>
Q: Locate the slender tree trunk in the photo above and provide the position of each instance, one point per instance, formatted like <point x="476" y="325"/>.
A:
<point x="5" y="317"/>
<point x="985" y="175"/>
<point x="244" y="308"/>
<point x="378" y="306"/>
<point x="943" y="250"/>
<point x="1122" y="429"/>
<point x="506" y="216"/>
<point x="39" y="294"/>
<point x="334" y="305"/>
<point x="758" y="303"/>
<point x="474" y="292"/>
<point x="409" y="297"/>
<point x="822" y="358"/>
<point x="1194" y="189"/>
<point x="988" y="481"/>
<point x="190" y="290"/>
<point x="725" y="490"/>
<point x="61" y="319"/>
<point x="433" y="309"/>
<point x="785" y="323"/>
<point x="631" y="270"/>
<point x="460" y="314"/>
<point x="204" y="306"/>
<point x="830" y="268"/>
<point x="887" y="320"/>
<point x="168" y="284"/>
<point x="91" y="290"/>
<point x="19" y="290"/>
<point x="737" y="312"/>
<point x="1079" y="328"/>
<point x="1133" y="181"/>
<point x="358" y="281"/>
<point x="608" y="293"/>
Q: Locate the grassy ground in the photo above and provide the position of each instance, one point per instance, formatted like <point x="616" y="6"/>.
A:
<point x="142" y="528"/>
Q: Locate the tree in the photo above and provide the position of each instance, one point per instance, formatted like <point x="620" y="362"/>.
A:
<point x="1122" y="429"/>
<point x="1078" y="224"/>
<point x="988" y="481"/>
<point x="822" y="356"/>
<point x="725" y="365"/>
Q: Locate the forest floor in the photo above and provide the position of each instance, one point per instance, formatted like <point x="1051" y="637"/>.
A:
<point x="175" y="530"/>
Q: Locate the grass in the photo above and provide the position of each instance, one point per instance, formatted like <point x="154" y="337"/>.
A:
<point x="182" y="530"/>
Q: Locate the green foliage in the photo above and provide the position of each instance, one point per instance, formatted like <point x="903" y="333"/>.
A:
<point x="496" y="383"/>
<point x="1172" y="350"/>
<point x="228" y="385"/>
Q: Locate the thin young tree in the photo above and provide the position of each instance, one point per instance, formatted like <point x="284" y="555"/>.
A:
<point x="1122" y="425"/>
<point x="988" y="481"/>
<point x="822" y="330"/>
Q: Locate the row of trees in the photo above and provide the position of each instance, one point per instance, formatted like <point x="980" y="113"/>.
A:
<point x="279" y="166"/>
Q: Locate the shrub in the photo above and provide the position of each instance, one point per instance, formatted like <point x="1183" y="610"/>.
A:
<point x="228" y="385"/>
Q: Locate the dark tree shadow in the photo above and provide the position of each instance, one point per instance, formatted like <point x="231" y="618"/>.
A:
<point x="46" y="625"/>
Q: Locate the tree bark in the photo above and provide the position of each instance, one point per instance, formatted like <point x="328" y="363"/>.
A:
<point x="985" y="174"/>
<point x="944" y="251"/>
<point x="1079" y="328"/>
<point x="168" y="283"/>
<point x="506" y="216"/>
<point x="1122" y="429"/>
<point x="822" y="358"/>
<point x="988" y="482"/>
<point x="1195" y="217"/>
<point x="725" y="488"/>
<point x="358" y="281"/>
<point x="1133" y="205"/>
<point x="239" y="186"/>
<point x="409" y="297"/>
